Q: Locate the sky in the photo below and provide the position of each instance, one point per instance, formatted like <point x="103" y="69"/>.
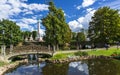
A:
<point x="78" y="13"/>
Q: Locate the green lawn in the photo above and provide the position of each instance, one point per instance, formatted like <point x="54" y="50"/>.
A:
<point x="92" y="52"/>
<point x="2" y="63"/>
<point x="62" y="55"/>
<point x="104" y="52"/>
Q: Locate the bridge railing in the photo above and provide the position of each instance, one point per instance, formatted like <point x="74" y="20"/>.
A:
<point x="30" y="48"/>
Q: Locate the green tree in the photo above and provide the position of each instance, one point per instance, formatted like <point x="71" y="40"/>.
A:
<point x="34" y="34"/>
<point x="57" y="31"/>
<point x="80" y="37"/>
<point x="26" y="34"/>
<point x="12" y="33"/>
<point x="105" y="26"/>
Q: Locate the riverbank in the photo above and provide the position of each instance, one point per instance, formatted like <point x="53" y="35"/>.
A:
<point x="65" y="57"/>
<point x="13" y="65"/>
<point x="10" y="66"/>
<point x="77" y="58"/>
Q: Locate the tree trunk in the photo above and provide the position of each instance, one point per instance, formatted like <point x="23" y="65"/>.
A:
<point x="57" y="47"/>
<point x="49" y="47"/>
<point x="53" y="48"/>
<point x="77" y="46"/>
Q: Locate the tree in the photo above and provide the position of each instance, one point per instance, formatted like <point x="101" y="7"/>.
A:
<point x="26" y="34"/>
<point x="80" y="37"/>
<point x="12" y="33"/>
<point x="105" y="26"/>
<point x="34" y="34"/>
<point x="57" y="31"/>
<point x="77" y="39"/>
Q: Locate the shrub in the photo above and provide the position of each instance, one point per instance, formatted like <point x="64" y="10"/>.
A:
<point x="72" y="47"/>
<point x="116" y="55"/>
<point x="81" y="53"/>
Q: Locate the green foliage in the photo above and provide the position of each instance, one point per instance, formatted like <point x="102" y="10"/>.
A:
<point x="104" y="52"/>
<point x="81" y="53"/>
<point x="2" y="63"/>
<point x="26" y="34"/>
<point x="80" y="37"/>
<point x="73" y="47"/>
<point x="12" y="33"/>
<point x="62" y="55"/>
<point x="57" y="30"/>
<point x="116" y="55"/>
<point x="34" y="34"/>
<point x="105" y="26"/>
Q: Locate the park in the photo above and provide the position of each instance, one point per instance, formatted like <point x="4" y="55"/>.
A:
<point x="61" y="51"/>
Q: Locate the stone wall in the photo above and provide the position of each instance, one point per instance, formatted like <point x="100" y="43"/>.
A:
<point x="10" y="66"/>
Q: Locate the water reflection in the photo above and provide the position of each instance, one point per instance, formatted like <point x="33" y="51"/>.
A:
<point x="88" y="67"/>
<point x="78" y="68"/>
<point x="31" y="69"/>
<point x="104" y="67"/>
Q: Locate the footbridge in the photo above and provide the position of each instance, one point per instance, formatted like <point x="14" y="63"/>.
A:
<point x="41" y="51"/>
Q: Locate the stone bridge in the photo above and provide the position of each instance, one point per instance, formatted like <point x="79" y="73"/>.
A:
<point x="26" y="50"/>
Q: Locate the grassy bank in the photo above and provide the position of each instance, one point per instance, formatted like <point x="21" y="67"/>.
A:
<point x="104" y="52"/>
<point x="2" y="63"/>
<point x="68" y="55"/>
<point x="96" y="52"/>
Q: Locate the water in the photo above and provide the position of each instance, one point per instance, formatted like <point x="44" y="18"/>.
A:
<point x="88" y="67"/>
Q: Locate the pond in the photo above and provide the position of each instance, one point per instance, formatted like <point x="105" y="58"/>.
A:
<point x="87" y="67"/>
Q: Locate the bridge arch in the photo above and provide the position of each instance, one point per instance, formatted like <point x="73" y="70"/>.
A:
<point x="26" y="50"/>
<point x="25" y="55"/>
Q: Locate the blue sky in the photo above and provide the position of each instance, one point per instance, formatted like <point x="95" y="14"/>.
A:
<point x="77" y="12"/>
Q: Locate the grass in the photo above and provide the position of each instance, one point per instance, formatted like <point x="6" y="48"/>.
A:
<point x="104" y="52"/>
<point x="2" y="63"/>
<point x="62" y="55"/>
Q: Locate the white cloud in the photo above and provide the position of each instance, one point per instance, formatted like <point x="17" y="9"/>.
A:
<point x="75" y="26"/>
<point x="87" y="3"/>
<point x="28" y="12"/>
<point x="30" y="24"/>
<point x="114" y="5"/>
<point x="89" y="9"/>
<point x="81" y="22"/>
<point x="13" y="8"/>
<point x="29" y="21"/>
<point x="38" y="7"/>
<point x="23" y="25"/>
<point x="78" y="7"/>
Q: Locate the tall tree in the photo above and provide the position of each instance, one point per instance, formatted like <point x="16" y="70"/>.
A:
<point x="34" y="34"/>
<point x="26" y="34"/>
<point x="80" y="37"/>
<point x="105" y="25"/>
<point x="57" y="30"/>
<point x="10" y="32"/>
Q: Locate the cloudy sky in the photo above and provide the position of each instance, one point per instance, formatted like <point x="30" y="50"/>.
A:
<point x="77" y="12"/>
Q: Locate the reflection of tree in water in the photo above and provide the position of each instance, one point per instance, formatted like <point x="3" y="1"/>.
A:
<point x="55" y="69"/>
<point x="103" y="67"/>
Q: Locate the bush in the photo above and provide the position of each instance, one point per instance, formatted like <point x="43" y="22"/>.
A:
<point x="73" y="47"/>
<point x="116" y="55"/>
<point x="81" y="53"/>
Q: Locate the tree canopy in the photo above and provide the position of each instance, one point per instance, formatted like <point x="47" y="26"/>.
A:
<point x="9" y="32"/>
<point x="105" y="25"/>
<point x="57" y="30"/>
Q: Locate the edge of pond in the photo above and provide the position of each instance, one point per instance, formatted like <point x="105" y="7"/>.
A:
<point x="12" y="66"/>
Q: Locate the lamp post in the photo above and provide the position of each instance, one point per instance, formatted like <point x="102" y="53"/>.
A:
<point x="3" y="47"/>
<point x="11" y="44"/>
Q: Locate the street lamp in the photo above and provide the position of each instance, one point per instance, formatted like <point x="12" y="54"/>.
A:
<point x="11" y="44"/>
<point x="3" y="47"/>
